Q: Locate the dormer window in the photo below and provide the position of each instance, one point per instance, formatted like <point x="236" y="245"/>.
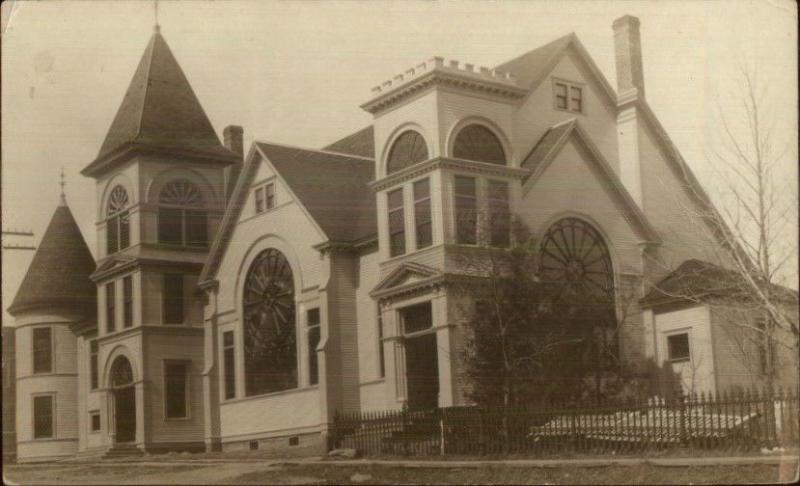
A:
<point x="568" y="96"/>
<point x="182" y="215"/>
<point x="478" y="143"/>
<point x="118" y="229"/>
<point x="408" y="149"/>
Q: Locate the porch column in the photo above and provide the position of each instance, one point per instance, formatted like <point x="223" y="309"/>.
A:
<point x="445" y="351"/>
<point x="142" y="412"/>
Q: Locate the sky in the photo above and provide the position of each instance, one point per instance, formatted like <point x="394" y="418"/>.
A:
<point x="296" y="72"/>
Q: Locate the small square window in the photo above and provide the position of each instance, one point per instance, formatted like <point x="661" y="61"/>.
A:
<point x="678" y="347"/>
<point x="575" y="99"/>
<point x="561" y="96"/>
<point x="95" y="421"/>
<point x="568" y="96"/>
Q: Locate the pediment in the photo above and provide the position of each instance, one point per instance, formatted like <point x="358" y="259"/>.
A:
<point x="111" y="265"/>
<point x="406" y="274"/>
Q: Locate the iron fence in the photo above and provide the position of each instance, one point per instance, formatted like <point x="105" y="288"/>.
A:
<point x="736" y="420"/>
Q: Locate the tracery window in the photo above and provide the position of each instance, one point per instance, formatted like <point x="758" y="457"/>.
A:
<point x="408" y="149"/>
<point x="576" y="265"/>
<point x="118" y="229"/>
<point x="182" y="218"/>
<point x="270" y="339"/>
<point x="476" y="142"/>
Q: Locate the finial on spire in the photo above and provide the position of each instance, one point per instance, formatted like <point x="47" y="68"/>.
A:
<point x="156" y="27"/>
<point x="63" y="183"/>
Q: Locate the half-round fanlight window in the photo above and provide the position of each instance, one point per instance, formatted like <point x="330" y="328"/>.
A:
<point x="269" y="325"/>
<point x="476" y="142"/>
<point x="182" y="218"/>
<point x="121" y="372"/>
<point x="408" y="149"/>
<point x="575" y="259"/>
<point x="117" y="201"/>
<point x="181" y="192"/>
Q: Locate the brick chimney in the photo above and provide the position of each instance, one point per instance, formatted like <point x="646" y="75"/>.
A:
<point x="628" y="52"/>
<point x="630" y="87"/>
<point x="233" y="136"/>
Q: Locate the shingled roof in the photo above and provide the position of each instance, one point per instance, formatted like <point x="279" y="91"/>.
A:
<point x="59" y="272"/>
<point x="160" y="111"/>
<point x="697" y="280"/>
<point x="361" y="143"/>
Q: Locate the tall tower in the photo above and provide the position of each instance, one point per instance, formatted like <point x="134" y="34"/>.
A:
<point x="55" y="298"/>
<point x="161" y="195"/>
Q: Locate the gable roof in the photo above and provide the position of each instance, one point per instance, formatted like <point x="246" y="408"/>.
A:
<point x="160" y="110"/>
<point x="332" y="187"/>
<point x="59" y="272"/>
<point x="550" y="145"/>
<point x="698" y="280"/>
<point x="361" y="143"/>
<point x="531" y="68"/>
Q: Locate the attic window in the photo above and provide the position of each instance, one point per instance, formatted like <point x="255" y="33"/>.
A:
<point x="265" y="198"/>
<point x="568" y="96"/>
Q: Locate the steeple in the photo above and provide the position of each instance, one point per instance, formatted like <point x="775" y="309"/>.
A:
<point x="159" y="112"/>
<point x="59" y="272"/>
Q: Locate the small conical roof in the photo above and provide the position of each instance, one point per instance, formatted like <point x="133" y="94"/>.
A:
<point x="59" y="272"/>
<point x="160" y="110"/>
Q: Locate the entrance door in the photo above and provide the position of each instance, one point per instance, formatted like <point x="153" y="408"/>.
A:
<point x="125" y="414"/>
<point x="422" y="372"/>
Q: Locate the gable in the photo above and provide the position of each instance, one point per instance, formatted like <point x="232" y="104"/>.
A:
<point x="538" y="112"/>
<point x="405" y="276"/>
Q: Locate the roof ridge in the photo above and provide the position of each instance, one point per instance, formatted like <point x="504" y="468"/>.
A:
<point x="322" y="151"/>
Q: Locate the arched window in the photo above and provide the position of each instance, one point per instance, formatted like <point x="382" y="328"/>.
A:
<point x="576" y="265"/>
<point x="182" y="218"/>
<point x="408" y="149"/>
<point x="121" y="372"/>
<point x="118" y="228"/>
<point x="476" y="142"/>
<point x="270" y="350"/>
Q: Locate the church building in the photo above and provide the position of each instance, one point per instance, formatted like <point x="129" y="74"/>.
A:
<point x="240" y="298"/>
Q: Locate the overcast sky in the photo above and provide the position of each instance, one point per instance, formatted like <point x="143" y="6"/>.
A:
<point x="296" y="72"/>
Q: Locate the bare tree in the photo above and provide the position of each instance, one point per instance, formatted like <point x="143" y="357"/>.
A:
<point x="756" y="224"/>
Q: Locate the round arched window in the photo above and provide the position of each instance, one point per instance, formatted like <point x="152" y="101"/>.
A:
<point x="121" y="372"/>
<point x="118" y="234"/>
<point x="408" y="149"/>
<point x="476" y="142"/>
<point x="269" y="325"/>
<point x="575" y="259"/>
<point x="182" y="218"/>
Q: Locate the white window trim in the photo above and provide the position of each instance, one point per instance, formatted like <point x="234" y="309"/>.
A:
<point x="675" y="332"/>
<point x="262" y="188"/>
<point x="187" y="391"/>
<point x="569" y="85"/>
<point x="53" y="409"/>
<point x="52" y="351"/>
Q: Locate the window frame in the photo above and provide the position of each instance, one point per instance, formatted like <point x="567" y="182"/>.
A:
<point x="258" y="199"/>
<point x="186" y="388"/>
<point x="53" y="424"/>
<point x="675" y="334"/>
<point x="496" y="212"/>
<point x="92" y="415"/>
<point x="127" y="301"/>
<point x="111" y="306"/>
<point x="420" y="200"/>
<point x="184" y="211"/>
<point x="118" y="217"/>
<point x="457" y="209"/>
<point x="405" y="310"/>
<point x="568" y="97"/>
<point x="52" y="350"/>
<point x="94" y="364"/>
<point x="313" y="359"/>
<point x="229" y="369"/>
<point x="166" y="301"/>
<point x="396" y="250"/>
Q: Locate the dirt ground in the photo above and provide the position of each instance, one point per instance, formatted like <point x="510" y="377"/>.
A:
<point x="299" y="473"/>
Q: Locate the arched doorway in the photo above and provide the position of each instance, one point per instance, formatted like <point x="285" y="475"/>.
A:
<point x="124" y="395"/>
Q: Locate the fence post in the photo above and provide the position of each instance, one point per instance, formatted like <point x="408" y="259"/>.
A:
<point x="441" y="431"/>
<point x="683" y="420"/>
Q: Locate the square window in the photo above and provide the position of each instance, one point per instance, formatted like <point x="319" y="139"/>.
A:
<point x="575" y="99"/>
<point x="561" y="96"/>
<point x="678" y="347"/>
<point x="568" y="96"/>
<point x="94" y="421"/>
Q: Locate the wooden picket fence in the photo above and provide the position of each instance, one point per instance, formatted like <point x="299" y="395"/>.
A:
<point x="741" y="420"/>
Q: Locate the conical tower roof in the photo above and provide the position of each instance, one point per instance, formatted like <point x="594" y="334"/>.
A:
<point x="159" y="111"/>
<point x="59" y="272"/>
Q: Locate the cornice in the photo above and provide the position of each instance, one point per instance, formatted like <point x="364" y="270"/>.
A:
<point x="435" y="163"/>
<point x="486" y="86"/>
